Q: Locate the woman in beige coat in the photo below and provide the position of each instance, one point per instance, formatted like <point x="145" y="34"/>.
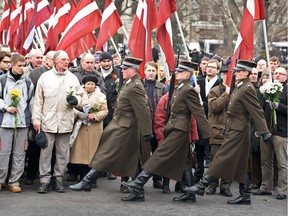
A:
<point x="87" y="139"/>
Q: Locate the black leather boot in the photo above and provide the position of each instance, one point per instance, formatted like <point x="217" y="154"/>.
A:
<point x="87" y="181"/>
<point x="139" y="181"/>
<point x="186" y="197"/>
<point x="199" y="188"/>
<point x="166" y="188"/>
<point x="245" y="196"/>
<point x="179" y="187"/>
<point x="135" y="197"/>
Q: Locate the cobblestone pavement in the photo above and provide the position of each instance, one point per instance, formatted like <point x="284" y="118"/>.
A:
<point x="106" y="200"/>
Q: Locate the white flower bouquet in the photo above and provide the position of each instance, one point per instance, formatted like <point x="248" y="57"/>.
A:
<point x="271" y="92"/>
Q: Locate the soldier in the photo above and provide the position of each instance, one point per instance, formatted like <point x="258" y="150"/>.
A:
<point x="231" y="160"/>
<point x="119" y="146"/>
<point x="170" y="158"/>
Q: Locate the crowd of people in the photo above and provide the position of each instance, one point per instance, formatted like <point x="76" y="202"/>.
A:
<point x="100" y="118"/>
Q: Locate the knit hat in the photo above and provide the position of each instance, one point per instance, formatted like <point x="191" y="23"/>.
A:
<point x="97" y="56"/>
<point x="89" y="78"/>
<point x="105" y="55"/>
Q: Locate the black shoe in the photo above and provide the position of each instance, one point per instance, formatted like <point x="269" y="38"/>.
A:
<point x="210" y="191"/>
<point x="29" y="181"/>
<point x="186" y="197"/>
<point x="225" y="192"/>
<point x="261" y="192"/>
<point x="134" y="197"/>
<point x="111" y="176"/>
<point x="179" y="187"/>
<point x="281" y="196"/>
<point x="58" y="186"/>
<point x="240" y="201"/>
<point x="166" y="189"/>
<point x="72" y="177"/>
<point x="43" y="189"/>
<point x="158" y="184"/>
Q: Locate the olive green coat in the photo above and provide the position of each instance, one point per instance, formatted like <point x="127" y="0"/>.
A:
<point x="119" y="147"/>
<point x="170" y="158"/>
<point x="231" y="160"/>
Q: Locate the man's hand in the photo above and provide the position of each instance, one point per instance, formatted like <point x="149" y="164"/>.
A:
<point x="11" y="110"/>
<point x="72" y="100"/>
<point x="37" y="128"/>
<point x="148" y="137"/>
<point x="197" y="88"/>
<point x="266" y="137"/>
<point x="81" y="116"/>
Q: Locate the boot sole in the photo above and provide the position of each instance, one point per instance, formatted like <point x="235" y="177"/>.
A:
<point x="133" y="200"/>
<point x="85" y="189"/>
<point x="240" y="203"/>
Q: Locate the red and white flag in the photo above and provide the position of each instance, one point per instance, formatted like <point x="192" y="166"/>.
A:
<point x="57" y="22"/>
<point x="244" y="48"/>
<point x="110" y="23"/>
<point x="4" y="25"/>
<point x="164" y="30"/>
<point x="140" y="36"/>
<point x="14" y="24"/>
<point x="25" y="18"/>
<point x="40" y="15"/>
<point x="87" y="18"/>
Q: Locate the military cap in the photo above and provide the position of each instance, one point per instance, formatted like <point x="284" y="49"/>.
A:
<point x="245" y="65"/>
<point x="187" y="66"/>
<point x="131" y="62"/>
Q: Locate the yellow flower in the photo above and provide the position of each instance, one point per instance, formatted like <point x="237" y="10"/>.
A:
<point x="15" y="93"/>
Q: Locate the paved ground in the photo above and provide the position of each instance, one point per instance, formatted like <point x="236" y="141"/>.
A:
<point x="106" y="200"/>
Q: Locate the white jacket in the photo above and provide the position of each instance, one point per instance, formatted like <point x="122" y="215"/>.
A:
<point x="50" y="109"/>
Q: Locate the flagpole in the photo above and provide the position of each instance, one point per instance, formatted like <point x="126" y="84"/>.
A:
<point x="182" y="35"/>
<point x="125" y="32"/>
<point x="116" y="48"/>
<point x="266" y="48"/>
<point x="166" y="69"/>
<point x="44" y="29"/>
<point x="41" y="41"/>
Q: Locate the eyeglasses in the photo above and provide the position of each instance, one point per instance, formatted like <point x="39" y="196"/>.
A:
<point x="212" y="67"/>
<point x="7" y="62"/>
<point x="279" y="73"/>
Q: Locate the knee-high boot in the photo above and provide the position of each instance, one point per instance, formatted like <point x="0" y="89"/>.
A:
<point x="188" y="181"/>
<point x="137" y="184"/>
<point x="166" y="188"/>
<point x="199" y="188"/>
<point x="245" y="193"/>
<point x="87" y="181"/>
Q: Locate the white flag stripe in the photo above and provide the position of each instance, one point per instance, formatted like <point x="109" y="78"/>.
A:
<point x="168" y="27"/>
<point x="29" y="39"/>
<point x="42" y="5"/>
<point x="86" y="11"/>
<point x="5" y="14"/>
<point x="107" y="12"/>
<point x="251" y="7"/>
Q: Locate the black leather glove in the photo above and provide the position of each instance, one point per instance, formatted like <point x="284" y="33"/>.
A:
<point x="148" y="137"/>
<point x="72" y="100"/>
<point x="266" y="137"/>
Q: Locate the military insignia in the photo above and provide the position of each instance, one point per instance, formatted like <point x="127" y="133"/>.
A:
<point x="239" y="84"/>
<point x="128" y="81"/>
<point x="180" y="86"/>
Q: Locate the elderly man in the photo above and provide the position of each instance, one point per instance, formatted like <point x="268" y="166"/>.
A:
<point x="33" y="150"/>
<point x="278" y="142"/>
<point x="87" y="67"/>
<point x="36" y="60"/>
<point x="170" y="158"/>
<point x="119" y="147"/>
<point x="231" y="160"/>
<point x="55" y="96"/>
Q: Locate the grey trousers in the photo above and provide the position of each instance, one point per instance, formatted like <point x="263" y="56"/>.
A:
<point x="18" y="151"/>
<point x="279" y="145"/>
<point x="61" y="142"/>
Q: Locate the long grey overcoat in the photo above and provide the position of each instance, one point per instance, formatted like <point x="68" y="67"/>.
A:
<point x="231" y="160"/>
<point x="170" y="158"/>
<point x="119" y="147"/>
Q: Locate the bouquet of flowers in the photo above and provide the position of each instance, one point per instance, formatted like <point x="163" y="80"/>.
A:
<point x="69" y="93"/>
<point x="271" y="92"/>
<point x="15" y="98"/>
<point x="88" y="109"/>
